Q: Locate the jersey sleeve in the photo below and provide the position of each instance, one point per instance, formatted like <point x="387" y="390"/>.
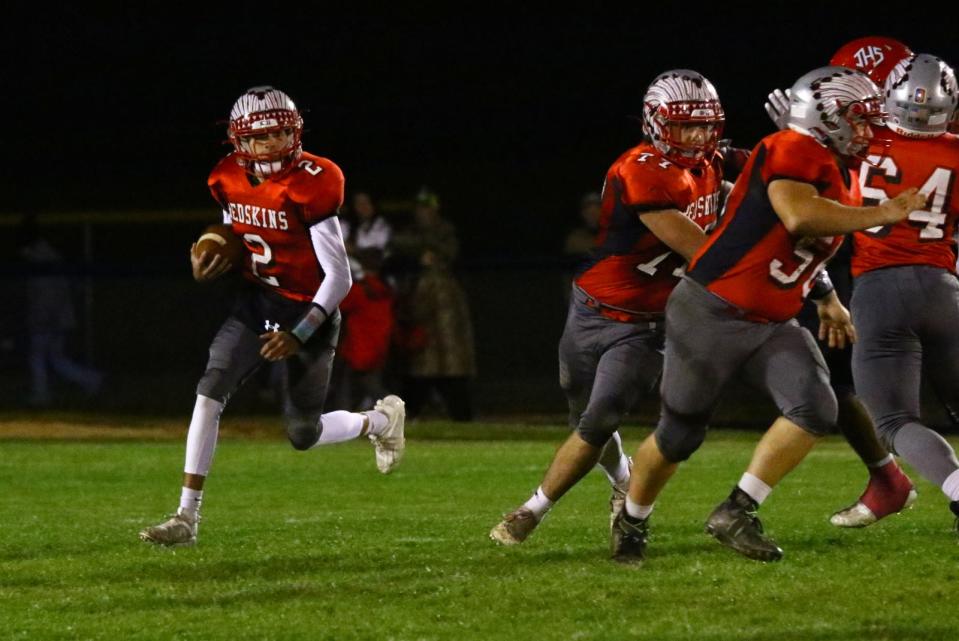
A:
<point x="646" y="187"/>
<point x="802" y="161"/>
<point x="320" y="193"/>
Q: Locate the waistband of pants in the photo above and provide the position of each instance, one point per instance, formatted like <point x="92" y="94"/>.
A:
<point x="617" y="313"/>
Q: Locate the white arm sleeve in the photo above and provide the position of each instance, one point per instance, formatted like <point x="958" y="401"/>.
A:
<point x="331" y="253"/>
<point x="227" y="219"/>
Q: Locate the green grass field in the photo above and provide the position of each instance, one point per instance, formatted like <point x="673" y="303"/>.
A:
<point x="318" y="545"/>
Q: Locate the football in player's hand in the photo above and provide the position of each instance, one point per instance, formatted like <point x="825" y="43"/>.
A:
<point x="220" y="239"/>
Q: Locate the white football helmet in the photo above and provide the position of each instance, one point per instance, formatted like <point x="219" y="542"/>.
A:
<point x="921" y="96"/>
<point x="831" y="104"/>
<point x="264" y="110"/>
<point x="683" y="97"/>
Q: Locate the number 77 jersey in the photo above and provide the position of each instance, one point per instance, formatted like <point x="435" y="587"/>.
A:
<point x="926" y="236"/>
<point x="630" y="268"/>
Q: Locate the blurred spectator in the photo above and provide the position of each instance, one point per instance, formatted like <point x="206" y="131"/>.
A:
<point x="363" y="227"/>
<point x="50" y="317"/>
<point x="580" y="240"/>
<point x="434" y="331"/>
<point x="366" y="331"/>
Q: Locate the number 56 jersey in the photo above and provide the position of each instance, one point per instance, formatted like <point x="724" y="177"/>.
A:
<point x="273" y="219"/>
<point x="630" y="269"/>
<point x="751" y="260"/>
<point x="925" y="236"/>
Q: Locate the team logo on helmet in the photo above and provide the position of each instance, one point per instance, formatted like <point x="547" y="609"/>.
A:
<point x="265" y="110"/>
<point x="875" y="56"/>
<point x="683" y="98"/>
<point x="832" y="104"/>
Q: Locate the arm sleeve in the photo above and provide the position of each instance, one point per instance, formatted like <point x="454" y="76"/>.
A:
<point x="330" y="251"/>
<point x="327" y="240"/>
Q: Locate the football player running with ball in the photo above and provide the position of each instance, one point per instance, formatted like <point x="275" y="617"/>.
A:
<point x="658" y="200"/>
<point x="732" y="314"/>
<point x="283" y="203"/>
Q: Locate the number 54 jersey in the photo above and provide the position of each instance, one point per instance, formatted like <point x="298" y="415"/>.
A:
<point x="751" y="260"/>
<point x="630" y="269"/>
<point x="926" y="236"/>
<point x="273" y="219"/>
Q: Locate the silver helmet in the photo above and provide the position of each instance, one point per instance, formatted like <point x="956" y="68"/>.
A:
<point x="683" y="97"/>
<point x="828" y="103"/>
<point x="921" y="96"/>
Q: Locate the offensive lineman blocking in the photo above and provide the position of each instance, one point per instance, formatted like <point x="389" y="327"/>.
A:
<point x="659" y="199"/>
<point x="733" y="311"/>
<point x="296" y="274"/>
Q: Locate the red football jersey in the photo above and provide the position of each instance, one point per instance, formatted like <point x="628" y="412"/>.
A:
<point x="273" y="219"/>
<point x="926" y="236"/>
<point x="751" y="260"/>
<point x="630" y="267"/>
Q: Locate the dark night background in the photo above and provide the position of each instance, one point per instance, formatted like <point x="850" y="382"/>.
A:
<point x="511" y="114"/>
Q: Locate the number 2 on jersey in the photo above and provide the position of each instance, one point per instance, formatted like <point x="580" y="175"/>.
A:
<point x="263" y="257"/>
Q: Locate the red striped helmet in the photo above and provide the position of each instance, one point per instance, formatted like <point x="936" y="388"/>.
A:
<point x="264" y="110"/>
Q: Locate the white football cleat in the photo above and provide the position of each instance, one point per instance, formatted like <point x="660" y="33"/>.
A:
<point x="617" y="500"/>
<point x="391" y="443"/>
<point x="178" y="531"/>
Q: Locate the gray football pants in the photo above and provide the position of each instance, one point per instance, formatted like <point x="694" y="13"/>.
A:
<point x="305" y="376"/>
<point x="708" y="342"/>
<point x="604" y="368"/>
<point x="907" y="318"/>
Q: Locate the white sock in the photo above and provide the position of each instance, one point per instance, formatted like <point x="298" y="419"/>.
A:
<point x="951" y="486"/>
<point x="378" y="421"/>
<point x="755" y="487"/>
<point x="889" y="459"/>
<point x="340" y="426"/>
<point x="636" y="510"/>
<point x="538" y="504"/>
<point x="190" y="502"/>
<point x="201" y="437"/>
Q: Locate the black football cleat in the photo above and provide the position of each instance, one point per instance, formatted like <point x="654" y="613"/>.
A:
<point x="734" y="524"/>
<point x="627" y="539"/>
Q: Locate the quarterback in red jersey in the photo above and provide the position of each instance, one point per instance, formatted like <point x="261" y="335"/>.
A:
<point x="906" y="297"/>
<point x="659" y="199"/>
<point x="283" y="203"/>
<point x="732" y="312"/>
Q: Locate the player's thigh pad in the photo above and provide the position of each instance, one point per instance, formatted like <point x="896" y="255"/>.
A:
<point x="706" y="343"/>
<point x="888" y="307"/>
<point x="629" y="366"/>
<point x="790" y="367"/>
<point x="234" y="357"/>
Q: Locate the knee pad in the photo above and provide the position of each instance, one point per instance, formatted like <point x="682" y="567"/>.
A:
<point x="600" y="420"/>
<point x="303" y="435"/>
<point x="679" y="435"/>
<point x="216" y="384"/>
<point x="817" y="414"/>
<point x="887" y="427"/>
